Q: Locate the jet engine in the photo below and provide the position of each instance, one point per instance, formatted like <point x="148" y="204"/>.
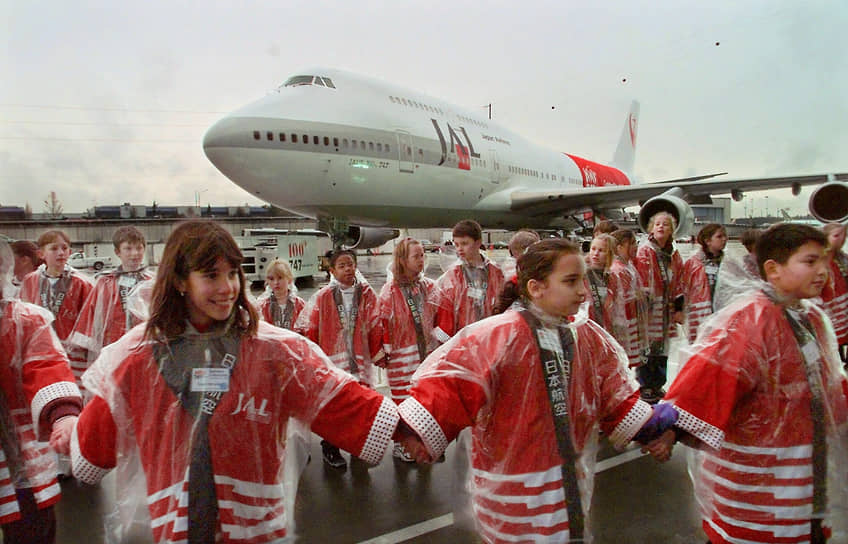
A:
<point x="368" y="237"/>
<point x="672" y="202"/>
<point x="829" y="203"/>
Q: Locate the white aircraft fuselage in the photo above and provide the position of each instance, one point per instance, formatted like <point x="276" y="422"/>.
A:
<point x="331" y="144"/>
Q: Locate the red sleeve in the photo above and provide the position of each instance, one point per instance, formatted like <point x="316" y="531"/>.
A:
<point x="314" y="320"/>
<point x="374" y="323"/>
<point x="345" y="419"/>
<point x="97" y="434"/>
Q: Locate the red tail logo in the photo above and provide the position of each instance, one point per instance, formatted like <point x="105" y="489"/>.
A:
<point x="463" y="157"/>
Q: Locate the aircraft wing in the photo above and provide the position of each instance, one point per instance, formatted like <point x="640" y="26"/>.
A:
<point x="618" y="196"/>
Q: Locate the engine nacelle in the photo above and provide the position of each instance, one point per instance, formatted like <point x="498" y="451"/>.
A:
<point x="672" y="202"/>
<point x="829" y="203"/>
<point x="368" y="237"/>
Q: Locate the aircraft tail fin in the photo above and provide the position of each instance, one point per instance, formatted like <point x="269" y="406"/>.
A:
<point x="625" y="152"/>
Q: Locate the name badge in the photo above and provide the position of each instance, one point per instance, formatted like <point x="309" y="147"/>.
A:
<point x="126" y="280"/>
<point x="216" y="380"/>
<point x="550" y="340"/>
<point x="476" y="293"/>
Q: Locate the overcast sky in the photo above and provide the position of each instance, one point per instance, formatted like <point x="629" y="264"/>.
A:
<point x="107" y="102"/>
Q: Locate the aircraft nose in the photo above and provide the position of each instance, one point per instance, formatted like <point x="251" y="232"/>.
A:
<point x="223" y="140"/>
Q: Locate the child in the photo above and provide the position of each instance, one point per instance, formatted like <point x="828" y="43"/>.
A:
<point x="599" y="260"/>
<point x="835" y="292"/>
<point x="38" y="401"/>
<point x="659" y="266"/>
<point x="699" y="276"/>
<point x="279" y="304"/>
<point x="105" y="316"/>
<point x="57" y="286"/>
<point x="518" y="244"/>
<point x="26" y="259"/>
<point x="765" y="400"/>
<point x="195" y="404"/>
<point x="535" y="386"/>
<point x="468" y="290"/>
<point x="343" y="318"/>
<point x="406" y="311"/>
<point x="624" y="304"/>
<point x="738" y="276"/>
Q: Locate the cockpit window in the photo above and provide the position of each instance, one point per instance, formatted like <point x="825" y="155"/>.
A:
<point x="294" y="81"/>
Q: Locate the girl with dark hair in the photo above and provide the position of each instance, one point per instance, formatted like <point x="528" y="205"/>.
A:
<point x="699" y="276"/>
<point x="543" y="376"/>
<point x="195" y="405"/>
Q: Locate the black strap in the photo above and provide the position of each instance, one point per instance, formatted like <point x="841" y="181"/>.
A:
<point x="176" y="360"/>
<point x="412" y="295"/>
<point x="482" y="273"/>
<point x="53" y="295"/>
<point x="663" y="259"/>
<point x="712" y="263"/>
<point x="805" y="335"/>
<point x="348" y="322"/>
<point x="556" y="371"/>
<point x="281" y="316"/>
<point x="595" y="278"/>
<point x="124" y="288"/>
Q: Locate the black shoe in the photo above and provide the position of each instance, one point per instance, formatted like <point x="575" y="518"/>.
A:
<point x="333" y="457"/>
<point x="651" y="396"/>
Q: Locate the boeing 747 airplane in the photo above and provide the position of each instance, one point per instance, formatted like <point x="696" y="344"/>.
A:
<point x="364" y="156"/>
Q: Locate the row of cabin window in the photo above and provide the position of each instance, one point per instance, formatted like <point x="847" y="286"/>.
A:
<point x="528" y="172"/>
<point x="381" y="147"/>
<point x="317" y="141"/>
<point x="432" y="109"/>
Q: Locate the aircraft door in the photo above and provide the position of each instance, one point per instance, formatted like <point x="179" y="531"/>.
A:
<point x="494" y="167"/>
<point x="404" y="147"/>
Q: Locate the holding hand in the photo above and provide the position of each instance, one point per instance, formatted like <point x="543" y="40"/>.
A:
<point x="660" y="448"/>
<point x="60" y="438"/>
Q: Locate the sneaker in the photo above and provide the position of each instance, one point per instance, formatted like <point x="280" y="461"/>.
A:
<point x="333" y="457"/>
<point x="401" y="454"/>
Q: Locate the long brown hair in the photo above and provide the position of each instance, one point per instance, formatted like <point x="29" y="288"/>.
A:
<point x="194" y="245"/>
<point x="399" y="256"/>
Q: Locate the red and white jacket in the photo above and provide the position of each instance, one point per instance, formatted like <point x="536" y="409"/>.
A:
<point x="66" y="316"/>
<point x="489" y="378"/>
<point x="137" y="423"/>
<point x="651" y="277"/>
<point x="320" y="323"/>
<point x="455" y="306"/>
<point x="37" y="389"/>
<point x="624" y="307"/>
<point x="103" y="317"/>
<point x="400" y="338"/>
<point x="264" y="302"/>
<point x="744" y="393"/>
<point x="835" y="297"/>
<point x="696" y="287"/>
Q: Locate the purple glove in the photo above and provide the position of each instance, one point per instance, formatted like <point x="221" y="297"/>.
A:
<point x="663" y="418"/>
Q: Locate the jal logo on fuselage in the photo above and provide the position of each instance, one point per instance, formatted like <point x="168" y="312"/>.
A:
<point x="456" y="146"/>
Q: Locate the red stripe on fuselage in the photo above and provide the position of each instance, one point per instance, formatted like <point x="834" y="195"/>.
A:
<point x="599" y="175"/>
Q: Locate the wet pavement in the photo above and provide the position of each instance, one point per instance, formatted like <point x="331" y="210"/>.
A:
<point x="636" y="499"/>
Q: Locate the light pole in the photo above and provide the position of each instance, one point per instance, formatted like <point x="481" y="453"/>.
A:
<point x="197" y="197"/>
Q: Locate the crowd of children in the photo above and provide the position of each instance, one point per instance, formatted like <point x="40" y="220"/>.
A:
<point x="195" y="404"/>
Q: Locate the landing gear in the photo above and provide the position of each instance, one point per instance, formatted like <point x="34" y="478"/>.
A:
<point x="337" y="228"/>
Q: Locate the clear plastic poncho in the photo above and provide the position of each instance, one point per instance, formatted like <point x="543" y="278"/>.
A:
<point x="770" y="457"/>
<point x="489" y="378"/>
<point x="353" y="341"/>
<point x="406" y="311"/>
<point x="156" y="395"/>
<point x="106" y="314"/>
<point x="34" y="372"/>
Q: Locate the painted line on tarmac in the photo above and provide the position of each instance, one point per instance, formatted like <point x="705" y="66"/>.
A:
<point x="412" y="531"/>
<point x="441" y="522"/>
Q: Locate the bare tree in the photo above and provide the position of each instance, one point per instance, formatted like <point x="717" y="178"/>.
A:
<point x="52" y="206"/>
